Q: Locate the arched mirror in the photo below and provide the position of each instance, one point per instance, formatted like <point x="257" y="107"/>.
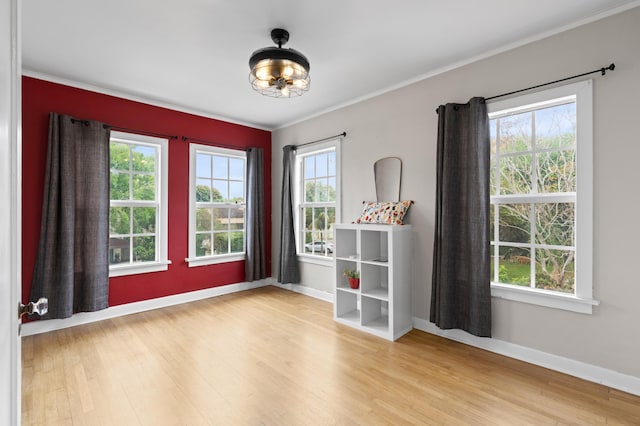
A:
<point x="388" y="173"/>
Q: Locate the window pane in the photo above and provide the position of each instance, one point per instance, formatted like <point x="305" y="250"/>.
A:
<point x="144" y="187"/>
<point x="555" y="224"/>
<point x="203" y="244"/>
<point x="321" y="165"/>
<point x="514" y="266"/>
<point x="322" y="186"/>
<point x="515" y="133"/>
<point x="309" y="167"/>
<point x="319" y="221"/>
<point x="308" y="242"/>
<point x="493" y="182"/>
<point x="308" y="219"/>
<point x="144" y="220"/>
<point x="327" y="235"/>
<point x="220" y="243"/>
<point x="119" y="186"/>
<point x="556" y="126"/>
<point x="514" y="223"/>
<point x="119" y="251"/>
<point x="237" y="241"/>
<point x="492" y="250"/>
<point x="118" y="156"/>
<point x="331" y="189"/>
<point x="203" y="165"/>
<point x="492" y="229"/>
<point x="144" y="249"/>
<point x="143" y="158"/>
<point x="555" y="270"/>
<point x="556" y="171"/>
<point x="308" y="238"/>
<point x="203" y="219"/>
<point x="236" y="218"/>
<point x="309" y="191"/>
<point x="221" y="219"/>
<point x="332" y="163"/>
<point x="220" y="190"/>
<point x="203" y="190"/>
<point x="493" y="140"/>
<point x="331" y="219"/>
<point x="515" y="174"/>
<point x="236" y="192"/>
<point x="236" y="169"/>
<point x="220" y="167"/>
<point x="119" y="220"/>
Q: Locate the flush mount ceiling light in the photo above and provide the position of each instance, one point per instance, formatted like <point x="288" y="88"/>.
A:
<point x="278" y="72"/>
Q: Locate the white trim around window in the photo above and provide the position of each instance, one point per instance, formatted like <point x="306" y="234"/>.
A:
<point x="161" y="204"/>
<point x="316" y="148"/>
<point x="194" y="259"/>
<point x="582" y="300"/>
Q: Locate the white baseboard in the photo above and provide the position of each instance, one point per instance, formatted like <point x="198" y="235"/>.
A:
<point x="592" y="373"/>
<point x="37" y="327"/>
<point x="307" y="291"/>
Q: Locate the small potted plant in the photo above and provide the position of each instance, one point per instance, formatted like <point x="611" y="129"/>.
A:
<point x="354" y="277"/>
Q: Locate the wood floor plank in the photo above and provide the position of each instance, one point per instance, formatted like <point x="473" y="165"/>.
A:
<point x="273" y="357"/>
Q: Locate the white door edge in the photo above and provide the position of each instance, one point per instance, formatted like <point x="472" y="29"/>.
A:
<point x="10" y="211"/>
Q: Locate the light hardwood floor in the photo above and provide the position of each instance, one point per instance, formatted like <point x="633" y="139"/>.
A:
<point x="269" y="356"/>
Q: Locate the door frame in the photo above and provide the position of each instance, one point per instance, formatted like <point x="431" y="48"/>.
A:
<point x="11" y="217"/>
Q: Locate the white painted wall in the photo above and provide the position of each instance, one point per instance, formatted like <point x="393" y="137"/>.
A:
<point x="403" y="123"/>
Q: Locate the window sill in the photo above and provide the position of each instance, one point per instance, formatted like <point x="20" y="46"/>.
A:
<point x="213" y="260"/>
<point x="140" y="268"/>
<point x="316" y="260"/>
<point x="544" y="298"/>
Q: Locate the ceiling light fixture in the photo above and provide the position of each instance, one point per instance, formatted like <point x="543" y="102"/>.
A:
<point x="278" y="72"/>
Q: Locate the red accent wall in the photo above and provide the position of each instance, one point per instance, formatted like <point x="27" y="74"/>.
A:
<point x="41" y="97"/>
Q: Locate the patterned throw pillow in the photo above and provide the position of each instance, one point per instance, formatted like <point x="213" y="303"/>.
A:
<point x="391" y="213"/>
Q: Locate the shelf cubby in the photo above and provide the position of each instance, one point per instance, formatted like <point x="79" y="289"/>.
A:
<point x="375" y="245"/>
<point x="346" y="307"/>
<point x="374" y="280"/>
<point x="345" y="244"/>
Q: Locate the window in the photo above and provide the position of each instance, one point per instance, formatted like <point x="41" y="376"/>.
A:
<point x="541" y="155"/>
<point x="217" y="205"/>
<point x="317" y="199"/>
<point x="138" y="204"/>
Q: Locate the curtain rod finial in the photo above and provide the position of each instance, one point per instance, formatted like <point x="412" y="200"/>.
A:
<point x="609" y="68"/>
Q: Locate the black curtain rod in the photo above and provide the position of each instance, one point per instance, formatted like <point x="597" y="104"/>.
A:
<point x="124" y="129"/>
<point x="220" y="145"/>
<point x="142" y="132"/>
<point x="343" y="134"/>
<point x="600" y="70"/>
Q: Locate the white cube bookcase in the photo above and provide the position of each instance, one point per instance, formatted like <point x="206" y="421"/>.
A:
<point x="382" y="253"/>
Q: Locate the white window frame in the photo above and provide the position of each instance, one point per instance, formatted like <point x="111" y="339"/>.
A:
<point x="582" y="301"/>
<point x="194" y="260"/>
<point x="316" y="148"/>
<point x="162" y="190"/>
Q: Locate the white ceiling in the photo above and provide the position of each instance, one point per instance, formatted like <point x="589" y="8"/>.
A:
<point x="193" y="54"/>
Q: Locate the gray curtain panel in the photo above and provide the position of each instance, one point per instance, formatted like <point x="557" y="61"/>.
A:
<point x="288" y="271"/>
<point x="72" y="265"/>
<point x="255" y="264"/>
<point x="461" y="293"/>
